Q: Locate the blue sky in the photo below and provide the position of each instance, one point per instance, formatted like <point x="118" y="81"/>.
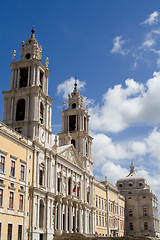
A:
<point x="113" y="48"/>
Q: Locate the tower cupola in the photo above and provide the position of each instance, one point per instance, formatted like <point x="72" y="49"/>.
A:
<point x="30" y="49"/>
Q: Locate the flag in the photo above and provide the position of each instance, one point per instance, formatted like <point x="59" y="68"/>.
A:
<point x="74" y="189"/>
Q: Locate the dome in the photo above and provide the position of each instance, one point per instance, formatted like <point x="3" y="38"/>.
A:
<point x="132" y="181"/>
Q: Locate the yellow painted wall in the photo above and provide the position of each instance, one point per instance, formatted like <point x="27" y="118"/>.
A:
<point x="113" y="197"/>
<point x="16" y="217"/>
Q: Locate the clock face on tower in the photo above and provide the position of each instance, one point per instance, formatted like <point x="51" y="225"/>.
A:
<point x="42" y="135"/>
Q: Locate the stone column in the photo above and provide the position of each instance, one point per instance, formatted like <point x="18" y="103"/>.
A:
<point x="70" y="217"/>
<point x="12" y="78"/>
<point x="76" y="218"/>
<point x="37" y="211"/>
<point x="11" y="113"/>
<point x="80" y="219"/>
<point x="18" y="77"/>
<point x="85" y="220"/>
<point x="37" y="77"/>
<point x="33" y="76"/>
<point x="59" y="217"/>
<point x="37" y="169"/>
<point x="56" y="190"/>
<point x="66" y="218"/>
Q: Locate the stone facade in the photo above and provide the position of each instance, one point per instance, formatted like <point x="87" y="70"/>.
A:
<point x="141" y="206"/>
<point x="57" y="170"/>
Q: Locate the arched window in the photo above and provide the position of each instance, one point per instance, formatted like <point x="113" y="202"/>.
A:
<point x="20" y="112"/>
<point x="23" y="77"/>
<point x="41" y="214"/>
<point x="41" y="112"/>
<point x="73" y="142"/>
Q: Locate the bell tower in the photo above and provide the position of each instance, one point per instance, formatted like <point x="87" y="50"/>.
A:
<point x="75" y="129"/>
<point x="27" y="106"/>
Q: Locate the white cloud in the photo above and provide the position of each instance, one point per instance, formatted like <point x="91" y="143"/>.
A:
<point x="152" y="19"/>
<point x="68" y="85"/>
<point x="117" y="46"/>
<point x="138" y="147"/>
<point x="104" y="148"/>
<point x="122" y="107"/>
<point x="148" y="43"/>
<point x="153" y="143"/>
<point x="113" y="171"/>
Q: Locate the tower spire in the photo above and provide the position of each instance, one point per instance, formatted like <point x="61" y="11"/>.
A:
<point x="33" y="31"/>
<point x="75" y="84"/>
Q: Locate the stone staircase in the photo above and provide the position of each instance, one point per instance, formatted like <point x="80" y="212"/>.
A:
<point x="79" y="236"/>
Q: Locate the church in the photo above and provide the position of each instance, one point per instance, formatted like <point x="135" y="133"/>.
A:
<point x="51" y="188"/>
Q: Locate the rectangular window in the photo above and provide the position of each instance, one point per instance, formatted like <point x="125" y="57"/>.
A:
<point x="11" y="199"/>
<point x="72" y="123"/>
<point x="97" y="220"/>
<point x="99" y="202"/>
<point x="19" y="232"/>
<point x="145" y="225"/>
<point x="130" y="213"/>
<point x="144" y="212"/>
<point x="1" y="197"/>
<point x="9" y="235"/>
<point x="22" y="173"/>
<point x="2" y="163"/>
<point x="78" y="189"/>
<point x="100" y="220"/>
<point x="41" y="177"/>
<point x="103" y="221"/>
<point x="69" y="186"/>
<point x="102" y="203"/>
<point x="96" y="201"/>
<point x="58" y="184"/>
<point x="88" y="198"/>
<point x="21" y="202"/>
<point x="13" y="168"/>
<point x="41" y="79"/>
<point x="131" y="226"/>
<point x="23" y="77"/>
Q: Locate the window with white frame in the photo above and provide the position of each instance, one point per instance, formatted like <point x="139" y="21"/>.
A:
<point x="97" y="219"/>
<point x="100" y="220"/>
<point x="1" y="197"/>
<point x="99" y="202"/>
<point x="13" y="168"/>
<point x="11" y="199"/>
<point x="96" y="201"/>
<point x="19" y="232"/>
<point x="9" y="234"/>
<point x="2" y="164"/>
<point x="22" y="172"/>
<point x="21" y="202"/>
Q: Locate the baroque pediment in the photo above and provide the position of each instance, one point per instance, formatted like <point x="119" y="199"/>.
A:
<point x="69" y="153"/>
